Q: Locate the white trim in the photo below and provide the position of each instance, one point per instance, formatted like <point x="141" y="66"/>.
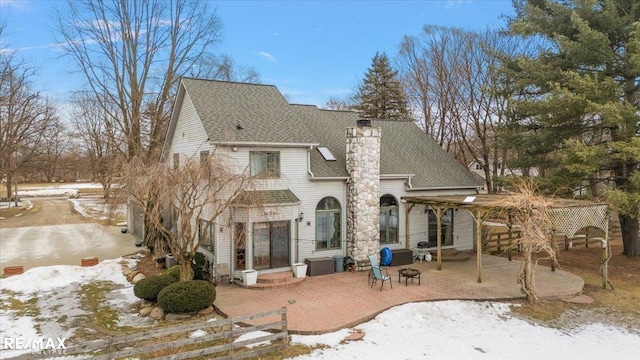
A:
<point x="262" y="144"/>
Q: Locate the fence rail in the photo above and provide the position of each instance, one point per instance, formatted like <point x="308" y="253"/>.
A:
<point x="220" y="342"/>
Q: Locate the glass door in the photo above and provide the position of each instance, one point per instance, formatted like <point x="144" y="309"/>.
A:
<point x="261" y="246"/>
<point x="271" y="245"/>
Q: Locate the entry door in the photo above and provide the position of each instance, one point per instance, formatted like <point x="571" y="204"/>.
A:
<point x="271" y="245"/>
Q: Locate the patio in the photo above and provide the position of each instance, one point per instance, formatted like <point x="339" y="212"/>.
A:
<point x="328" y="303"/>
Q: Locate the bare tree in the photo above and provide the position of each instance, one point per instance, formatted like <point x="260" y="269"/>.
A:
<point x="223" y="67"/>
<point x="530" y="211"/>
<point x="174" y="198"/>
<point x="100" y="140"/>
<point x="132" y="54"/>
<point x="24" y="119"/>
<point x="55" y="145"/>
<point x="455" y="81"/>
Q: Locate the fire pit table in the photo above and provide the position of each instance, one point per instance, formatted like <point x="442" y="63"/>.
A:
<point x="409" y="273"/>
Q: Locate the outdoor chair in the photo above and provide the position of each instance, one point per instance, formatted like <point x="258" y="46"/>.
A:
<point x="373" y="260"/>
<point x="377" y="275"/>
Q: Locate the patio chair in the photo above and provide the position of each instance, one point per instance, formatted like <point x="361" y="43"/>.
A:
<point x="377" y="275"/>
<point x="373" y="259"/>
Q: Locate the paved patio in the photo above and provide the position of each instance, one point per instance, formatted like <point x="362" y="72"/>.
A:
<point x="331" y="302"/>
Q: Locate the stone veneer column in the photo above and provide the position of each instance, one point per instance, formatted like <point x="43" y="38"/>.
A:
<point x="363" y="190"/>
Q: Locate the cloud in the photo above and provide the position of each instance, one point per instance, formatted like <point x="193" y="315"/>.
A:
<point x="266" y="56"/>
<point x="454" y="4"/>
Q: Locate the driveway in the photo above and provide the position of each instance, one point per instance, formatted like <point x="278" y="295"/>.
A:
<point x="54" y="235"/>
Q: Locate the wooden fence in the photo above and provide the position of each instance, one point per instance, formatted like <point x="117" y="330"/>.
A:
<point x="219" y="342"/>
<point x="500" y="241"/>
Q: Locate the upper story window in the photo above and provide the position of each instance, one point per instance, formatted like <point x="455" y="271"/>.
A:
<point x="204" y="158"/>
<point x="265" y="164"/>
<point x="176" y="160"/>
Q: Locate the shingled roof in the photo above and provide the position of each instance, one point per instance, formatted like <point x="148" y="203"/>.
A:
<point x="239" y="112"/>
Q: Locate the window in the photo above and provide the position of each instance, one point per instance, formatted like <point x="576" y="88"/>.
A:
<point x="388" y="220"/>
<point x="447" y="228"/>
<point x="328" y="220"/>
<point x="478" y="167"/>
<point x="206" y="234"/>
<point x="176" y="160"/>
<point x="265" y="164"/>
<point x="326" y="153"/>
<point x="204" y="158"/>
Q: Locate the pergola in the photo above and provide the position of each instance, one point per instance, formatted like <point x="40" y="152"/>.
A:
<point x="567" y="216"/>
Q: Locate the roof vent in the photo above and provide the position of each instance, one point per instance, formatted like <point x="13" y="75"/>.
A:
<point x="239" y="126"/>
<point x="364" y="122"/>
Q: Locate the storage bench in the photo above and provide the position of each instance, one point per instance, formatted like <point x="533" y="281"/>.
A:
<point x="319" y="266"/>
<point x="401" y="257"/>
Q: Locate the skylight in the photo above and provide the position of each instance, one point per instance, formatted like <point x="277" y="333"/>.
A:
<point x="326" y="153"/>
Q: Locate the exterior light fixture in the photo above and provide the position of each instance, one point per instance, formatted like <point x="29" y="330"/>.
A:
<point x="301" y="216"/>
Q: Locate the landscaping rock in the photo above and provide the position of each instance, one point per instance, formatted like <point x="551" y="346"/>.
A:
<point x="138" y="277"/>
<point x="172" y="316"/>
<point x="146" y="310"/>
<point x="147" y="303"/>
<point x="126" y="270"/>
<point x="131" y="275"/>
<point x="206" y="311"/>
<point x="157" y="313"/>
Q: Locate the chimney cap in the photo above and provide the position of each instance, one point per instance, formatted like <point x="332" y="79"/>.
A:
<point x="364" y="122"/>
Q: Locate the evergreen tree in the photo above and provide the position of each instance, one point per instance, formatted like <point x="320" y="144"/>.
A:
<point x="381" y="95"/>
<point x="579" y="107"/>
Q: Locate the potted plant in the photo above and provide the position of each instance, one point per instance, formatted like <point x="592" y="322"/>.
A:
<point x="299" y="269"/>
<point x="249" y="277"/>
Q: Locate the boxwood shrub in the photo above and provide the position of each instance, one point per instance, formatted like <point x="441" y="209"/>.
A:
<point x="149" y="287"/>
<point x="187" y="296"/>
<point x="174" y="271"/>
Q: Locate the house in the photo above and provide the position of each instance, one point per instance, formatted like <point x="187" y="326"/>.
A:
<point x="331" y="184"/>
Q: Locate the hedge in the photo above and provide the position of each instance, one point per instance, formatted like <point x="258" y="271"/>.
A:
<point x="187" y="296"/>
<point x="149" y="288"/>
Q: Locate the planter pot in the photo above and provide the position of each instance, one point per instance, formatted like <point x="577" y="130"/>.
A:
<point x="249" y="277"/>
<point x="299" y="270"/>
<point x="170" y="261"/>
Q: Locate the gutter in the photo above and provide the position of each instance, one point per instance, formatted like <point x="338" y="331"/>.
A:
<point x="265" y="144"/>
<point x="444" y="188"/>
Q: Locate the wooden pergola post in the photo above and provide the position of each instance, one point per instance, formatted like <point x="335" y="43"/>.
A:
<point x="439" y="212"/>
<point x="477" y="217"/>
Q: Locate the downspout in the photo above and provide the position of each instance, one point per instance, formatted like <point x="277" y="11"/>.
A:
<point x="232" y="262"/>
<point x="311" y="176"/>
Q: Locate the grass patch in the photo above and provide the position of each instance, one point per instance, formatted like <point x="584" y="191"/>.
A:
<point x="22" y="308"/>
<point x="94" y="301"/>
<point x="13" y="211"/>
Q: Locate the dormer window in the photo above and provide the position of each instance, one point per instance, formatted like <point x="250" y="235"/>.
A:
<point x="265" y="164"/>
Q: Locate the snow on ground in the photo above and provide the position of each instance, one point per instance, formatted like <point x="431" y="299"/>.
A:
<point x="58" y="310"/>
<point x="471" y="330"/>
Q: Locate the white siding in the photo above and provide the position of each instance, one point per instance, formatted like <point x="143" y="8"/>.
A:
<point x="189" y="137"/>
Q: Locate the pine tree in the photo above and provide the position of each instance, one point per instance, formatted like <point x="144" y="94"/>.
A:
<point x="381" y="95"/>
<point x="581" y="106"/>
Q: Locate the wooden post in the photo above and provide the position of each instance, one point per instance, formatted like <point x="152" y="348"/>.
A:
<point x="406" y="225"/>
<point x="510" y="228"/>
<point x="605" y="260"/>
<point x="478" y="219"/>
<point x="438" y="212"/>
<point x="284" y="327"/>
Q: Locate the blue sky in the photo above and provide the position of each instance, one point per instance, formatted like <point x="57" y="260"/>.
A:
<point x="311" y="50"/>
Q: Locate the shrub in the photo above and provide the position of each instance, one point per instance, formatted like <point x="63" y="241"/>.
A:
<point x="174" y="271"/>
<point x="149" y="288"/>
<point x="198" y="266"/>
<point x="187" y="296"/>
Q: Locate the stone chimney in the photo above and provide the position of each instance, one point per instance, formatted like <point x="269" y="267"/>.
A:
<point x="363" y="190"/>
